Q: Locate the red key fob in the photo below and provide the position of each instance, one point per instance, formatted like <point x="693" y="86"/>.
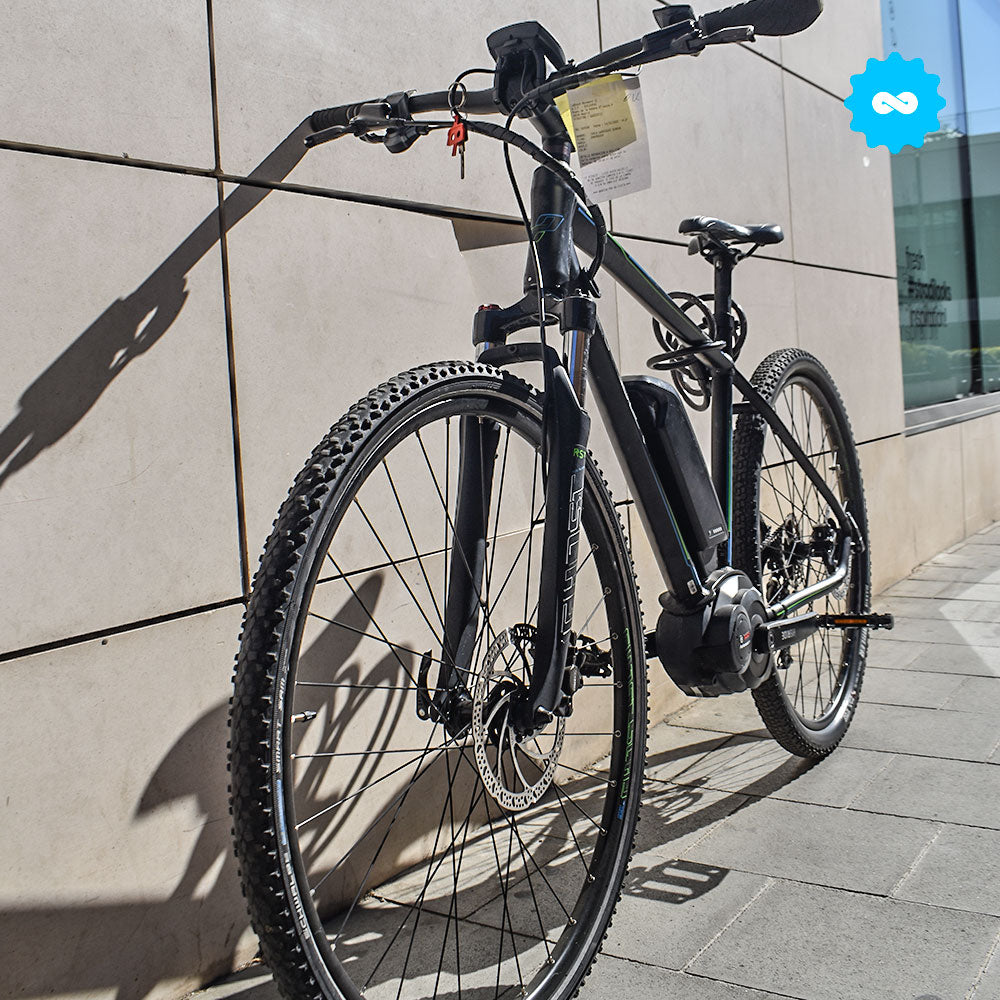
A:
<point x="456" y="135"/>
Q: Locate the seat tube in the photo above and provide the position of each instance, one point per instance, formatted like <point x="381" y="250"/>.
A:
<point x="722" y="397"/>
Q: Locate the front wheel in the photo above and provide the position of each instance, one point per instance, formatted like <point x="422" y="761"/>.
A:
<point x="397" y="837"/>
<point x="783" y="534"/>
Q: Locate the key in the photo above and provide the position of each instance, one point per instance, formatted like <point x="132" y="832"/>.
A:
<point x="456" y="139"/>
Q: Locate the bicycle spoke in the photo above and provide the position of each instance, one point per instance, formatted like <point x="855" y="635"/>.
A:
<point x="371" y="618"/>
<point x="402" y="579"/>
<point x="378" y="850"/>
<point x="413" y="543"/>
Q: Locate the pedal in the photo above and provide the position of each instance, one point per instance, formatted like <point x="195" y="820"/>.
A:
<point x="856" y="621"/>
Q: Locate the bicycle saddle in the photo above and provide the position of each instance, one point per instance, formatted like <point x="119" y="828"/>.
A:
<point x="728" y="232"/>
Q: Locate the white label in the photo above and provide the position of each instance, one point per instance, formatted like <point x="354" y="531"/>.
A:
<point x="608" y="128"/>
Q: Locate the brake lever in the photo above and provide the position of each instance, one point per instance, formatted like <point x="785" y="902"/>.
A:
<point x="399" y="135"/>
<point x="326" y="134"/>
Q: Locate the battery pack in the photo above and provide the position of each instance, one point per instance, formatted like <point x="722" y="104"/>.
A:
<point x="679" y="463"/>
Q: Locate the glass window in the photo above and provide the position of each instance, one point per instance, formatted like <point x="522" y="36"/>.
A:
<point x="946" y="197"/>
<point x="980" y="35"/>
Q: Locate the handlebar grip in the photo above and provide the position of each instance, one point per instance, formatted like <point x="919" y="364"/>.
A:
<point x="768" y="17"/>
<point x="339" y="115"/>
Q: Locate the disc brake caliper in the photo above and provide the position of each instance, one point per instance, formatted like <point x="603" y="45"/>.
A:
<point x="585" y="659"/>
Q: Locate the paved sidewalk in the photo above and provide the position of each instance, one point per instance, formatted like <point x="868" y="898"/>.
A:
<point x="874" y="875"/>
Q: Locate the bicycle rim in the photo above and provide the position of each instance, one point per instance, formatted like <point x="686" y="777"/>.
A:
<point x="792" y="544"/>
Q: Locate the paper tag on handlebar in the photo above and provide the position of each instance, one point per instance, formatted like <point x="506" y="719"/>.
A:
<point x="608" y="128"/>
<point x="601" y="119"/>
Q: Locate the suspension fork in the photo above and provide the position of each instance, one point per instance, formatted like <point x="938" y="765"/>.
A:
<point x="478" y="440"/>
<point x="567" y="429"/>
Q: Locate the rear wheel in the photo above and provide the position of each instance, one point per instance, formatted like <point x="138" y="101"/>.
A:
<point x="784" y="537"/>
<point x="387" y="848"/>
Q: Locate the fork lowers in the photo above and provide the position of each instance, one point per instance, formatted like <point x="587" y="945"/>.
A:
<point x="710" y="651"/>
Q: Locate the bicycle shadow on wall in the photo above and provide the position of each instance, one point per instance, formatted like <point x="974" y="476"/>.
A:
<point x="128" y="947"/>
<point x="66" y="391"/>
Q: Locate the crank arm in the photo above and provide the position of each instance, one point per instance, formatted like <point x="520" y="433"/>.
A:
<point x="772" y="636"/>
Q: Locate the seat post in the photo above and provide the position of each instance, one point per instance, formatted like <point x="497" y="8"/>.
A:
<point x="723" y="262"/>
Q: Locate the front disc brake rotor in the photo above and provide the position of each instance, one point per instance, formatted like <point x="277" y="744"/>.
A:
<point x="516" y="771"/>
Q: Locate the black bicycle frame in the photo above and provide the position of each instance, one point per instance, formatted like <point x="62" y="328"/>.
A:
<point x="557" y="227"/>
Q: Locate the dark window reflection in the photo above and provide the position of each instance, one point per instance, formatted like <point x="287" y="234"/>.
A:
<point x="947" y="203"/>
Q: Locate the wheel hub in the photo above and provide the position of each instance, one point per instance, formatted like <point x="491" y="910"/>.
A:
<point x="516" y="770"/>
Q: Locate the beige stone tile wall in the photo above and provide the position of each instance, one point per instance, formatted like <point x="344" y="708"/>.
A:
<point x="179" y="334"/>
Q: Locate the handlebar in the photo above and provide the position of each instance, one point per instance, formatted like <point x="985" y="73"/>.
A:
<point x="683" y="34"/>
<point x="477" y="102"/>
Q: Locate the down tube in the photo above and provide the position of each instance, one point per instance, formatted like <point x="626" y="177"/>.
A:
<point x="676" y="564"/>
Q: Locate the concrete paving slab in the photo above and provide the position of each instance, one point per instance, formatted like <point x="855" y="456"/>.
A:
<point x="980" y="695"/>
<point x="948" y="574"/>
<point x="837" y="779"/>
<point x="927" y="607"/>
<point x="891" y="655"/>
<point x="674" y="818"/>
<point x="673" y="749"/>
<point x="985" y="558"/>
<point x="977" y="661"/>
<point x="924" y="732"/>
<point x="915" y="688"/>
<point x="928" y="788"/>
<point x="252" y="983"/>
<point x="826" y="944"/>
<point x="960" y="869"/>
<point x="735" y="714"/>
<point x="746" y="763"/>
<point x="989" y="980"/>
<point x="918" y="587"/>
<point x="672" y="909"/>
<point x="816" y="844"/>
<point x="971" y="591"/>
<point x="935" y="630"/>
<point x="983" y="548"/>
<point x="619" y="979"/>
